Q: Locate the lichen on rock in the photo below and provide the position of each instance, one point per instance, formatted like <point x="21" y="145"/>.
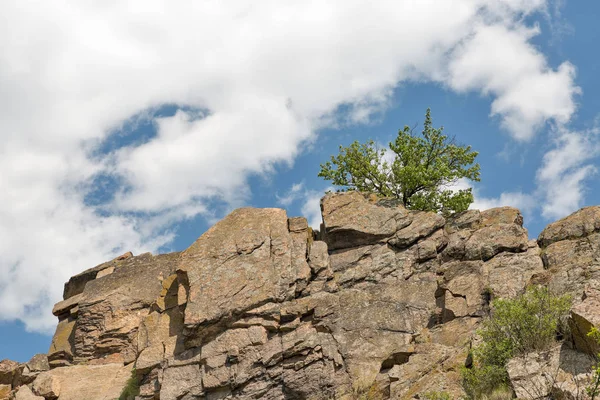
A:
<point x="388" y="300"/>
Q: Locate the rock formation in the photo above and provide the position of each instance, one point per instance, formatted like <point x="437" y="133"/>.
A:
<point x="381" y="300"/>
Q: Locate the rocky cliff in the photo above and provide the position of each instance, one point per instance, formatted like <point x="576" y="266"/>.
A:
<point x="381" y="300"/>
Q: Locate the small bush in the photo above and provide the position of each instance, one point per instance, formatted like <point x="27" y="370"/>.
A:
<point x="367" y="392"/>
<point x="437" y="396"/>
<point x="503" y="393"/>
<point x="593" y="389"/>
<point x="481" y="381"/>
<point x="132" y="387"/>
<point x="516" y="326"/>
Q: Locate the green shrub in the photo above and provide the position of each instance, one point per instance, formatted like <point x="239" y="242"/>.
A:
<point x="503" y="393"/>
<point x="132" y="387"/>
<point x="437" y="396"/>
<point x="482" y="380"/>
<point x="527" y="323"/>
<point x="593" y="389"/>
<point x="363" y="391"/>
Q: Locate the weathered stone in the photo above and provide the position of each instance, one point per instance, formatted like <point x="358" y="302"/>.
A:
<point x="168" y="297"/>
<point x="352" y="220"/>
<point x="77" y="283"/>
<point x="509" y="274"/>
<point x="24" y="393"/>
<point x="8" y="370"/>
<point x="429" y="367"/>
<point x="33" y="367"/>
<point x="179" y="381"/>
<point x="388" y="314"/>
<point x="423" y="224"/>
<point x="105" y="271"/>
<point x="38" y="363"/>
<point x="47" y="386"/>
<point x="455" y="249"/>
<point x="559" y="371"/>
<point x="466" y="220"/>
<point x="455" y="333"/>
<point x="65" y="306"/>
<point x="112" y="307"/>
<point x="5" y="391"/>
<point x="242" y="261"/>
<point x="463" y="284"/>
<point x="90" y="382"/>
<point x="256" y="308"/>
<point x="501" y="215"/>
<point x="160" y="333"/>
<point x="365" y="263"/>
<point x="299" y="253"/>
<point x="572" y="263"/>
<point x="585" y="315"/>
<point x="488" y="241"/>
<point x="318" y="260"/>
<point x="577" y="225"/>
<point x="61" y="349"/>
<point x="297" y="224"/>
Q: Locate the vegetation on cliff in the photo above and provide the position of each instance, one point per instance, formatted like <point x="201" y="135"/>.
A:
<point x="422" y="173"/>
<point x="518" y="326"/>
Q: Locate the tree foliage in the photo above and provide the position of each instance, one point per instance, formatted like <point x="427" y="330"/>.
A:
<point x="419" y="170"/>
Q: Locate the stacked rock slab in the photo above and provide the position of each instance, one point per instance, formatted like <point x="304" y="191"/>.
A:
<point x="381" y="302"/>
<point x="571" y="256"/>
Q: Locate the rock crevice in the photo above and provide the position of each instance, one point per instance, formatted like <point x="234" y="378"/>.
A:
<point x="381" y="298"/>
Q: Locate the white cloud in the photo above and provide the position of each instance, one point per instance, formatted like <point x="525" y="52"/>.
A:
<point x="294" y="192"/>
<point x="561" y="180"/>
<point x="499" y="60"/>
<point x="310" y="207"/>
<point x="526" y="203"/>
<point x="267" y="74"/>
<point x="565" y="169"/>
<point x="523" y="201"/>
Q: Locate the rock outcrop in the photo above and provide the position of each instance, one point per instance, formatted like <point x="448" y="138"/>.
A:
<point x="381" y="302"/>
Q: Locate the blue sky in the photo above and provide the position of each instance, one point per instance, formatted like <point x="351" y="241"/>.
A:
<point x="137" y="125"/>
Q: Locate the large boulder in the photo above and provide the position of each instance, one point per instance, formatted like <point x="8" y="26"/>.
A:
<point x="245" y="260"/>
<point x="25" y="393"/>
<point x="110" y="310"/>
<point x="90" y="382"/>
<point x="47" y="386"/>
<point x="352" y="219"/>
<point x="570" y="251"/>
<point x="585" y="315"/>
<point x="5" y="391"/>
<point x="37" y="364"/>
<point x="9" y="371"/>
<point x="559" y="372"/>
<point x="76" y="284"/>
<point x="577" y="225"/>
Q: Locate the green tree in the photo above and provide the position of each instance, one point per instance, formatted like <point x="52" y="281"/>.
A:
<point x="423" y="169"/>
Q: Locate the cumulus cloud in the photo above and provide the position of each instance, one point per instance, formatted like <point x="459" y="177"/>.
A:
<point x="253" y="83"/>
<point x="500" y="61"/>
<point x="309" y="199"/>
<point x="523" y="201"/>
<point x="565" y="170"/>
<point x="296" y="191"/>
<point x="311" y="208"/>
<point x="562" y="179"/>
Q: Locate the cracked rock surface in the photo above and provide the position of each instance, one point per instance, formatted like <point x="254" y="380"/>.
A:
<point x="262" y="307"/>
